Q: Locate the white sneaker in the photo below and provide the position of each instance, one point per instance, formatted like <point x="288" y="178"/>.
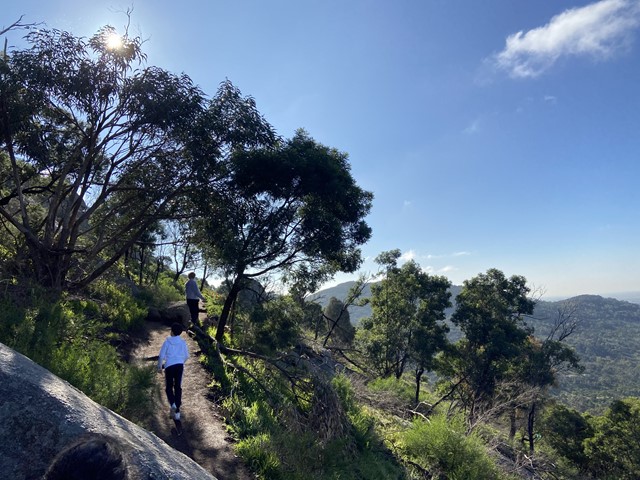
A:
<point x="177" y="416"/>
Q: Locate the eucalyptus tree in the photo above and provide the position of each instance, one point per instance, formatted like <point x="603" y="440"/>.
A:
<point x="613" y="451"/>
<point x="541" y="363"/>
<point x="291" y="209"/>
<point x="101" y="147"/>
<point x="430" y="335"/>
<point x="338" y="325"/>
<point x="96" y="148"/>
<point x="490" y="311"/>
<point x="407" y="321"/>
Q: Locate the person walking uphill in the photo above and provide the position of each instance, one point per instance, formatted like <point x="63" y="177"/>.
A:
<point x="173" y="354"/>
<point x="193" y="297"/>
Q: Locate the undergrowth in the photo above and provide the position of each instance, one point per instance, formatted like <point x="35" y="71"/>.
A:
<point x="277" y="442"/>
<point x="75" y="338"/>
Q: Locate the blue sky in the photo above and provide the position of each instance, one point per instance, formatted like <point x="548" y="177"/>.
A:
<point x="501" y="133"/>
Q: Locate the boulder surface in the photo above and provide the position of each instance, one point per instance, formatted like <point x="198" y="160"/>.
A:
<point x="40" y="414"/>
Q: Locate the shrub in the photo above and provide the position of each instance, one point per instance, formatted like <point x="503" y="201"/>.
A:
<point x="441" y="447"/>
<point x="67" y="336"/>
<point x="119" y="306"/>
<point x="400" y="388"/>
<point x="613" y="451"/>
<point x="161" y="294"/>
<point x="258" y="454"/>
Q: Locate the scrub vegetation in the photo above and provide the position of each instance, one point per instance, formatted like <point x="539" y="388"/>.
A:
<point x="117" y="177"/>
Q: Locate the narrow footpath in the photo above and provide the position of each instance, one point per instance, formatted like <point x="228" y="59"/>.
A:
<point x="204" y="438"/>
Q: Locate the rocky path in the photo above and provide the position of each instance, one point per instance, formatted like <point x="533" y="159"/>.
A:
<point x="204" y="438"/>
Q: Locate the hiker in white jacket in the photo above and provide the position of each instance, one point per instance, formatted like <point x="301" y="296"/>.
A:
<point x="173" y="354"/>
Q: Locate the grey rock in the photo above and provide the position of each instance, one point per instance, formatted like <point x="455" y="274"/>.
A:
<point x="176" y="313"/>
<point x="154" y="315"/>
<point x="40" y="414"/>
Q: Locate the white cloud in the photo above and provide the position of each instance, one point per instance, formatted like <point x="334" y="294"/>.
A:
<point x="413" y="255"/>
<point x="599" y="29"/>
<point x="408" y="255"/>
<point x="473" y="128"/>
<point x="448" y="269"/>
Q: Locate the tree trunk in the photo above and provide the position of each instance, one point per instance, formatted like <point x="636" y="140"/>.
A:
<point x="226" y="308"/>
<point x="530" y="425"/>
<point x="141" y="267"/>
<point x="513" y="427"/>
<point x="419" y="372"/>
<point x="204" y="277"/>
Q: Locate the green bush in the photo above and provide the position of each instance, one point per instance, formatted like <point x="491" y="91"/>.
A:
<point x="249" y="419"/>
<point x="162" y="293"/>
<point x="119" y="307"/>
<point x="399" y="388"/>
<point x="613" y="451"/>
<point x="344" y="390"/>
<point x="441" y="447"/>
<point x="565" y="430"/>
<point x="258" y="454"/>
<point x="67" y="336"/>
<point x="273" y="325"/>
<point x="95" y="368"/>
<point x="16" y="326"/>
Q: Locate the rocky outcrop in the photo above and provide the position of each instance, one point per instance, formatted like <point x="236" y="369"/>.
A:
<point x="40" y="414"/>
<point x="177" y="312"/>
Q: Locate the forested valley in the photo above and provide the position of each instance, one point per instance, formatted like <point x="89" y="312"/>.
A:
<point x="605" y="338"/>
<point x="118" y="178"/>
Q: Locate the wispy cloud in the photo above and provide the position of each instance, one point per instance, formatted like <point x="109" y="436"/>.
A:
<point x="448" y="269"/>
<point x="413" y="255"/>
<point x="599" y="30"/>
<point x="474" y="127"/>
<point x="408" y="255"/>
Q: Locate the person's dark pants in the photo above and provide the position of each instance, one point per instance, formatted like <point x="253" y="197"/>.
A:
<point x="194" y="309"/>
<point x="173" y="381"/>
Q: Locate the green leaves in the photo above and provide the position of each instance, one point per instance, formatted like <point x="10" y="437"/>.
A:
<point x="407" y="313"/>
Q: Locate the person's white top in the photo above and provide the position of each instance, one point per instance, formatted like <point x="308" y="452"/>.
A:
<point x="174" y="350"/>
<point x="192" y="291"/>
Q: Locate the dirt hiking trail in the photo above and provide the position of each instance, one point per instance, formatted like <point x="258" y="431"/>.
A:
<point x="204" y="438"/>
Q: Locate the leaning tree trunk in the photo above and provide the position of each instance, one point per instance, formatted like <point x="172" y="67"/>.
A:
<point x="226" y="308"/>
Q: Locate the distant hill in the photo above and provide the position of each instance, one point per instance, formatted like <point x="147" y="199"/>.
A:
<point x="607" y="341"/>
<point x="633" y="297"/>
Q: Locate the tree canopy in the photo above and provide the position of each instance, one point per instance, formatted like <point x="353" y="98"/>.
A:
<point x="407" y="321"/>
<point x="292" y="208"/>
<point x="490" y="312"/>
<point x="99" y="149"/>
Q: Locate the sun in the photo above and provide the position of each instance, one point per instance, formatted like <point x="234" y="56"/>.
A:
<point x="113" y="41"/>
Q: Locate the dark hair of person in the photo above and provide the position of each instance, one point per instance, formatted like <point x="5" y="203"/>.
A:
<point x="96" y="457"/>
<point x="177" y="328"/>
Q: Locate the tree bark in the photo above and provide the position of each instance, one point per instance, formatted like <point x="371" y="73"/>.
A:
<point x="419" y="372"/>
<point x="530" y="425"/>
<point x="512" y="420"/>
<point x="226" y="308"/>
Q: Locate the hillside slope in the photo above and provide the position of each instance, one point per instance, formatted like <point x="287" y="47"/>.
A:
<point x="606" y="340"/>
